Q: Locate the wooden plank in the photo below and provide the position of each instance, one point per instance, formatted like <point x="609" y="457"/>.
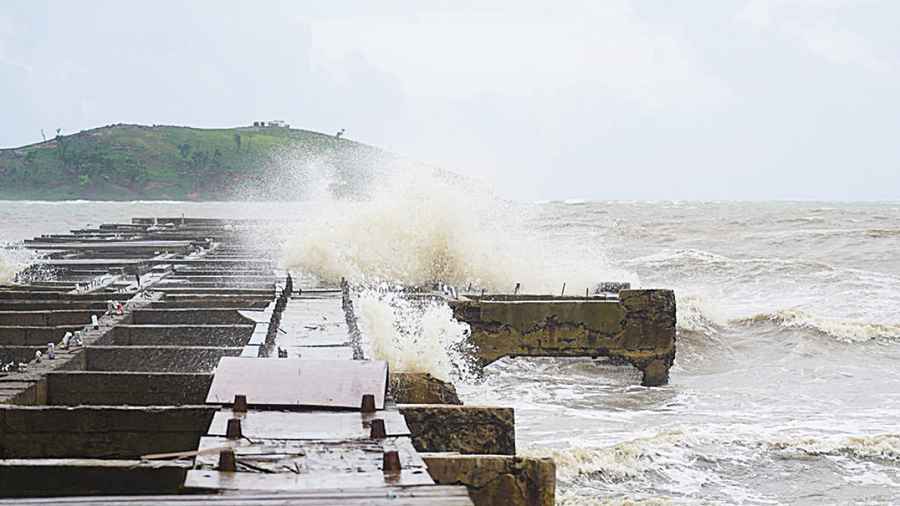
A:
<point x="284" y="456"/>
<point x="309" y="425"/>
<point x="299" y="382"/>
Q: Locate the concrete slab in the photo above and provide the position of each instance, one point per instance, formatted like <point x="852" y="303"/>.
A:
<point x="156" y="358"/>
<point x="43" y="477"/>
<point x="299" y="382"/>
<point x="72" y="388"/>
<point x="99" y="431"/>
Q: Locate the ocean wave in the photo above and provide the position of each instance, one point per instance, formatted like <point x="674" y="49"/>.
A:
<point x="880" y="447"/>
<point x="802" y="219"/>
<point x="692" y="258"/>
<point x="12" y="260"/>
<point x="621" y="462"/>
<point x="567" y="497"/>
<point x="416" y="228"/>
<point x="882" y="232"/>
<point x="679" y="465"/>
<point x="696" y="315"/>
<point x="841" y="329"/>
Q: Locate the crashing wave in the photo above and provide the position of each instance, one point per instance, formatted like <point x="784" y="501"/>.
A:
<point x="881" y="447"/>
<point x="666" y="454"/>
<point x="12" y="260"/>
<point x="416" y="228"/>
<point x="841" y="329"/>
<point x="418" y="336"/>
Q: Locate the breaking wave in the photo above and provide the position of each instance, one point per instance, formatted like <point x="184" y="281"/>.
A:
<point x="683" y="464"/>
<point x="414" y="335"/>
<point x="696" y="315"/>
<point x="881" y="447"/>
<point x="416" y="227"/>
<point x="12" y="260"/>
<point x="841" y="329"/>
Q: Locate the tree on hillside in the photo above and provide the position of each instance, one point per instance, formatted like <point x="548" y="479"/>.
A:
<point x="184" y="149"/>
<point x="237" y="140"/>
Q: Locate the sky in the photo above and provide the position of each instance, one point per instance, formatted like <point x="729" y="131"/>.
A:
<point x="634" y="100"/>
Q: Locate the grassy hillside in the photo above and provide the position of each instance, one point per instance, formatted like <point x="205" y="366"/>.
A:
<point x="125" y="162"/>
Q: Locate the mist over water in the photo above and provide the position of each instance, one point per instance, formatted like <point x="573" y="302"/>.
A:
<point x="786" y="384"/>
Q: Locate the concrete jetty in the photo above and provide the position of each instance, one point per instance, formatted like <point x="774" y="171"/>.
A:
<point x="212" y="376"/>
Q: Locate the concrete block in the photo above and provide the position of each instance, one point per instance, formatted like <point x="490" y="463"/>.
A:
<point x="34" y="336"/>
<point x="175" y="335"/>
<point x="73" y="388"/>
<point x="156" y="358"/>
<point x="497" y="479"/>
<point x="421" y="388"/>
<point x="99" y="432"/>
<point x="188" y="317"/>
<point x="75" y="477"/>
<point x="637" y="327"/>
<point x="461" y="429"/>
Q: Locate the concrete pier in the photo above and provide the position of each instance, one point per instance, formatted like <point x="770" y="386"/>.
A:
<point x="636" y="326"/>
<point x="180" y="390"/>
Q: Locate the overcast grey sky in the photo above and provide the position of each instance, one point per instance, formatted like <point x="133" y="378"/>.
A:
<point x="650" y="99"/>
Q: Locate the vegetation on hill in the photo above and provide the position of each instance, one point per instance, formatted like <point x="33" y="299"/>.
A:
<point x="126" y="162"/>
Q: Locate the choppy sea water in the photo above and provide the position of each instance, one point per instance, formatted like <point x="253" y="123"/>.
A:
<point x="786" y="386"/>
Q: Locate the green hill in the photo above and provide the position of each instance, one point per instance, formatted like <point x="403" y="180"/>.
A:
<point x="127" y="162"/>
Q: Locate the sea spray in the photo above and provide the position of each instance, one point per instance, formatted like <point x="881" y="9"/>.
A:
<point x="13" y="259"/>
<point x="414" y="335"/>
<point x="415" y="227"/>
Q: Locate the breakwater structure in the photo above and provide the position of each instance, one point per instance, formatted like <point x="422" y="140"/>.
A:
<point x="169" y="360"/>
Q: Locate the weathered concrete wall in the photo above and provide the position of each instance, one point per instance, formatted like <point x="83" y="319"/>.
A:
<point x="48" y="318"/>
<point x="19" y="353"/>
<point x="421" y="388"/>
<point x="73" y="477"/>
<point x="497" y="479"/>
<point x="219" y="292"/>
<point x="21" y="389"/>
<point x="99" y="432"/>
<point x="156" y="358"/>
<point x="187" y="335"/>
<point x="213" y="303"/>
<point x="461" y="429"/>
<point x="49" y="305"/>
<point x="55" y="296"/>
<point x="35" y="336"/>
<point x="73" y="388"/>
<point x="638" y="327"/>
<point x="188" y="316"/>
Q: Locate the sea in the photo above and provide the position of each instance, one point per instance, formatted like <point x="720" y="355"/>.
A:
<point x="786" y="383"/>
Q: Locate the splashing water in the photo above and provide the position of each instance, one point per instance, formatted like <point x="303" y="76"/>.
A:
<point x="414" y="335"/>
<point x="416" y="227"/>
<point x="12" y="260"/>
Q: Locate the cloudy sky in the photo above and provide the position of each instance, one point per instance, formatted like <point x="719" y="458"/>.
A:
<point x="649" y="99"/>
